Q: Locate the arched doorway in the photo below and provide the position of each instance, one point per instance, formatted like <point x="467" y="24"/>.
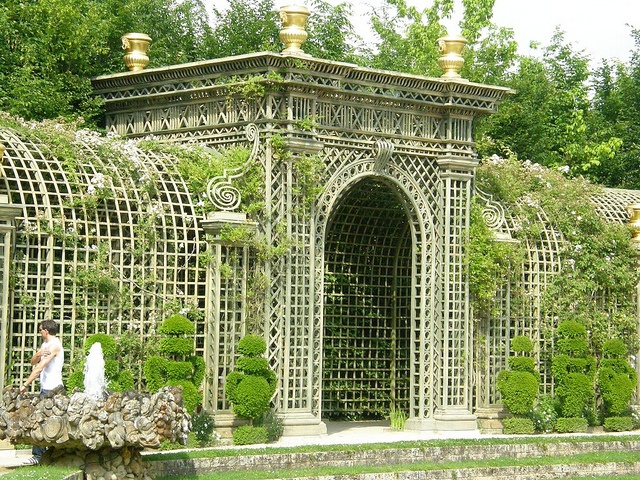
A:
<point x="367" y="305"/>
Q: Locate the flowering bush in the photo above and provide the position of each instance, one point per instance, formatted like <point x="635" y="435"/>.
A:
<point x="544" y="414"/>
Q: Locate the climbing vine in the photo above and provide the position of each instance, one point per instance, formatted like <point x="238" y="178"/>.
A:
<point x="598" y="275"/>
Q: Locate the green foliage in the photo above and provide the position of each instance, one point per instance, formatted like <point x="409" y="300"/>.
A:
<point x="50" y="49"/>
<point x="398" y="419"/>
<point x="618" y="424"/>
<point x="544" y="414"/>
<point x="617" y="379"/>
<point x="191" y="395"/>
<point x="521" y="344"/>
<point x="272" y="423"/>
<point x="521" y="364"/>
<point x="250" y="435"/>
<point x="518" y="390"/>
<point x="491" y="264"/>
<point x="251" y="385"/>
<point x="175" y="364"/>
<point x="572" y="339"/>
<point x="202" y="426"/>
<point x="616" y="389"/>
<point x="252" y="345"/>
<point x="199" y="368"/>
<point x="154" y="371"/>
<point x="571" y="425"/>
<point x="107" y="344"/>
<point x="598" y="274"/>
<point x="179" y="347"/>
<point x="614" y="348"/>
<point x="251" y="397"/>
<point x="576" y="392"/>
<point x="179" y="370"/>
<point x="517" y="426"/>
<point x="177" y="325"/>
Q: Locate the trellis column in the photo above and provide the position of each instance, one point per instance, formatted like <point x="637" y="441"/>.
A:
<point x="453" y="402"/>
<point x="8" y="213"/>
<point x="225" y="313"/>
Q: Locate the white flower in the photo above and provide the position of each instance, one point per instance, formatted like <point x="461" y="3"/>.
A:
<point x="577" y="248"/>
<point x="564" y="169"/>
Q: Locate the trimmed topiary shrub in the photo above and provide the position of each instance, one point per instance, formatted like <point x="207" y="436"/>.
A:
<point x="251" y="385"/>
<point x="517" y="426"/>
<point x="616" y="379"/>
<point x="519" y="390"/>
<point x="519" y="386"/>
<point x="618" y="424"/>
<point x="571" y="425"/>
<point x="176" y="364"/>
<point x="573" y="370"/>
<point x="250" y="435"/>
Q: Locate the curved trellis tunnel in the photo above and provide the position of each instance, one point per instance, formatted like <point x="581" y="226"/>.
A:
<point x="366" y="362"/>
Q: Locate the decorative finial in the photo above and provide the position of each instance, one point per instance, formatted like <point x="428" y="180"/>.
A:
<point x="293" y="35"/>
<point x="136" y="47"/>
<point x="634" y="223"/>
<point x="451" y="60"/>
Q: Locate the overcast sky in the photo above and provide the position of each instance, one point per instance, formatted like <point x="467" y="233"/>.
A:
<point x="597" y="26"/>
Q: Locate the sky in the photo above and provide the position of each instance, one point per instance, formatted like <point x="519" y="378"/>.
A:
<point x="599" y="27"/>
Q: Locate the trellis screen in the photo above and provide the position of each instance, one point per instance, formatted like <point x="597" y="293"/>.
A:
<point x="367" y="313"/>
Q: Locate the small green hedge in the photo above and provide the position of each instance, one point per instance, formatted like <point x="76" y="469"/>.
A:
<point x="518" y="426"/>
<point x="247" y="435"/>
<point x="571" y="425"/>
<point x="618" y="424"/>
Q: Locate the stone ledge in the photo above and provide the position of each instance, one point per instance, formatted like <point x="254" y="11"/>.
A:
<point x="386" y="456"/>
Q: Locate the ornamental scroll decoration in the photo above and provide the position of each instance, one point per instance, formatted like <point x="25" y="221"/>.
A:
<point x="493" y="213"/>
<point x="220" y="190"/>
<point x="382" y="151"/>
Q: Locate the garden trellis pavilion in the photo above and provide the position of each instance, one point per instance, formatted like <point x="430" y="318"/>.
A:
<point x="352" y="268"/>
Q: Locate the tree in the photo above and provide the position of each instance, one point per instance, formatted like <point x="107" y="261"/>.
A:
<point x="408" y="39"/>
<point x="549" y="120"/>
<point x="50" y="49"/>
<point x="248" y="26"/>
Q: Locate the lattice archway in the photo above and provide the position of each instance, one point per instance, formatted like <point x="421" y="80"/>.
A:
<point x="367" y="311"/>
<point x="399" y="221"/>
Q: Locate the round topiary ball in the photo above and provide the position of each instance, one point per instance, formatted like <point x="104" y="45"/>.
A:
<point x="252" y="345"/>
<point x="107" y="343"/>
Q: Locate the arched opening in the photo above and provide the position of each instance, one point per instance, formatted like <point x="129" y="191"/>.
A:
<point x="366" y="331"/>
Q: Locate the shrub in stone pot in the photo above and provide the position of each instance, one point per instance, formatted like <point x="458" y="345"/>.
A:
<point x="518" y="386"/>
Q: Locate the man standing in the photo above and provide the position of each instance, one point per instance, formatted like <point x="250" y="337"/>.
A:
<point x="47" y="364"/>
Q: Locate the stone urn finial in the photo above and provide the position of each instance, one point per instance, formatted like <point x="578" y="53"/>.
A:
<point x="136" y="47"/>
<point x="451" y="61"/>
<point x="293" y="34"/>
<point x="634" y="223"/>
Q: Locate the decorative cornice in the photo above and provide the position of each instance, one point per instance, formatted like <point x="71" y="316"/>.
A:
<point x="194" y="76"/>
